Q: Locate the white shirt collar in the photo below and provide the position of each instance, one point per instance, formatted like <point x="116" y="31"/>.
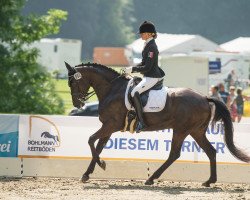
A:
<point x="148" y="40"/>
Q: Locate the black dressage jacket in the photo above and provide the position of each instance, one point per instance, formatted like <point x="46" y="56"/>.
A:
<point x="149" y="65"/>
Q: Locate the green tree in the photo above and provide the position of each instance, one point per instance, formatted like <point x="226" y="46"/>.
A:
<point x="25" y="86"/>
<point x="114" y="23"/>
<point x="95" y="22"/>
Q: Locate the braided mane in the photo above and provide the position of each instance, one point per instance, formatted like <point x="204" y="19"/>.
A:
<point x="100" y="66"/>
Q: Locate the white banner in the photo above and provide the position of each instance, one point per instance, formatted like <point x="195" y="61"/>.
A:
<point x="67" y="137"/>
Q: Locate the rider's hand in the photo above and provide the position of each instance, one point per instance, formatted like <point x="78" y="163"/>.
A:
<point x="128" y="70"/>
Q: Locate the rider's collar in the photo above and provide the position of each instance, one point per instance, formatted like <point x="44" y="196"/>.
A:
<point x="148" y="40"/>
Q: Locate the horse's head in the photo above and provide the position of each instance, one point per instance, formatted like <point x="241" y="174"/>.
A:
<point x="79" y="86"/>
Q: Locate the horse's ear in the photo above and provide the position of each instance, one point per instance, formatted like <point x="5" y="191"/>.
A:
<point x="70" y="69"/>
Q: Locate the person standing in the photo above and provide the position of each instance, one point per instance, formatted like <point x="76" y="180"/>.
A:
<point x="149" y="68"/>
<point x="240" y="104"/>
<point x="215" y="93"/>
<point x="231" y="103"/>
<point x="223" y="93"/>
<point x="231" y="79"/>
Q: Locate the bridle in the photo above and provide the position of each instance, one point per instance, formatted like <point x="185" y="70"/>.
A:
<point x="79" y="95"/>
<point x="84" y="97"/>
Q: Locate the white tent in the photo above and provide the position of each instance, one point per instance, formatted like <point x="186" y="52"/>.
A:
<point x="177" y="44"/>
<point x="240" y="44"/>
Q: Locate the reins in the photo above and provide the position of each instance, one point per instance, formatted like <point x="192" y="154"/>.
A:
<point x="88" y="95"/>
<point x="81" y="97"/>
<point x="122" y="74"/>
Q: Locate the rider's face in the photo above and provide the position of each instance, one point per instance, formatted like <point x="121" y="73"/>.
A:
<point x="145" y="36"/>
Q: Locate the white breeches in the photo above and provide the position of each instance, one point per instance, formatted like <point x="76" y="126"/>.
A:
<point x="145" y="84"/>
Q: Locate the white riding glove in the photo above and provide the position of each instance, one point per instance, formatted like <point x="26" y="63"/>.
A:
<point x="128" y="70"/>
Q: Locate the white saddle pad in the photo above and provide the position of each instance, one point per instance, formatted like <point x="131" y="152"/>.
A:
<point x="156" y="100"/>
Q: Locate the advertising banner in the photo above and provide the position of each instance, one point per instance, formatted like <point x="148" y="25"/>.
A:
<point x="8" y="135"/>
<point x="67" y="137"/>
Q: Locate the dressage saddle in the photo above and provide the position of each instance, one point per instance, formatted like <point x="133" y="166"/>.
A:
<point x="144" y="96"/>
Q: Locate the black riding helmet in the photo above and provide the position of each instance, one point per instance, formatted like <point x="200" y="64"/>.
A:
<point x="147" y="27"/>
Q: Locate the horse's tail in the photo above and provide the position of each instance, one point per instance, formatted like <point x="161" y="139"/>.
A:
<point x="222" y="113"/>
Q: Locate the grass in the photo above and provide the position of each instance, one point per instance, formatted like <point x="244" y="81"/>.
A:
<point x="63" y="90"/>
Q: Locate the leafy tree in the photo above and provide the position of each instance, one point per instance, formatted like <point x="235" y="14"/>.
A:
<point x="114" y="23"/>
<point x="25" y="86"/>
<point x="95" y="22"/>
<point x="109" y="22"/>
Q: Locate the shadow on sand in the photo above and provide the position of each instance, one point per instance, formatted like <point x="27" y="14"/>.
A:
<point x="158" y="187"/>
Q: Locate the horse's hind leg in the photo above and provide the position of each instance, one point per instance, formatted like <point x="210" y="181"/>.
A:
<point x="174" y="155"/>
<point x="203" y="142"/>
<point x="99" y="147"/>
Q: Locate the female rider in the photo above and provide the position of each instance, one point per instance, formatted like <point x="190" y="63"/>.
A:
<point x="149" y="68"/>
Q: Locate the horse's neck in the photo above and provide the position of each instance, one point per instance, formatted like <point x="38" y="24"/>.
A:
<point x="101" y="88"/>
<point x="103" y="81"/>
<point x="101" y="84"/>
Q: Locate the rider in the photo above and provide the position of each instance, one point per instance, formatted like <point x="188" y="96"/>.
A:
<point x="152" y="73"/>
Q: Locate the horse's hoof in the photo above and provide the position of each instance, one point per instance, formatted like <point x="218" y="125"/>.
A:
<point x="209" y="181"/>
<point x="102" y="164"/>
<point x="85" y="178"/>
<point x="149" y="182"/>
<point x="206" y="184"/>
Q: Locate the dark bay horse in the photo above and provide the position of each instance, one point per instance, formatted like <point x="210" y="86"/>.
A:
<point x="186" y="112"/>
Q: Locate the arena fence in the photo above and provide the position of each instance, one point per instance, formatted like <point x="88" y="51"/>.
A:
<point x="57" y="146"/>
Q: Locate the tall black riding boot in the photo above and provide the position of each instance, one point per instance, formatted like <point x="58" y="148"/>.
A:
<point x="139" y="112"/>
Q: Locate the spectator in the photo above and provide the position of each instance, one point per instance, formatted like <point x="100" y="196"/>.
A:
<point x="240" y="104"/>
<point x="231" y="78"/>
<point x="231" y="103"/>
<point x="215" y="93"/>
<point x="240" y="98"/>
<point x="223" y="93"/>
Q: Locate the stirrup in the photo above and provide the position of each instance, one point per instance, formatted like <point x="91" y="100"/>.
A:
<point x="140" y="127"/>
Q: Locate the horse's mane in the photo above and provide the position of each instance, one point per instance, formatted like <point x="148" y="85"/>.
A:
<point x="103" y="67"/>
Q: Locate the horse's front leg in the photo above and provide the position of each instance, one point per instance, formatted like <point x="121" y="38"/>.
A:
<point x="104" y="132"/>
<point x="100" y="145"/>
